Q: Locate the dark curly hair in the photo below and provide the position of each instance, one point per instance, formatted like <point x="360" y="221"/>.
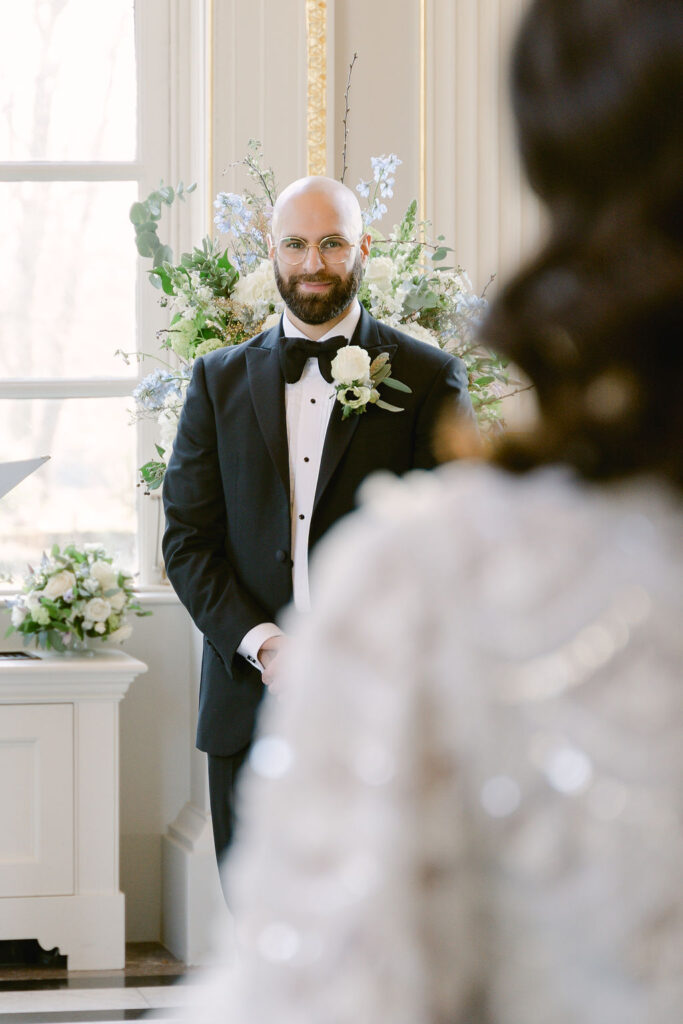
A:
<point x="596" y="320"/>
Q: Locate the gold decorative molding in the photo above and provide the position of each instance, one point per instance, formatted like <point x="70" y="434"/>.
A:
<point x="316" y="52"/>
<point x="209" y="44"/>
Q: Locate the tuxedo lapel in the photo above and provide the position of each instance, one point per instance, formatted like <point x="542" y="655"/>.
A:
<point x="339" y="430"/>
<point x="267" y="395"/>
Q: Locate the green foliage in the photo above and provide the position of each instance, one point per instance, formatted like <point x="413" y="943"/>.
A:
<point x="214" y="268"/>
<point x="145" y="216"/>
<point x="152" y="473"/>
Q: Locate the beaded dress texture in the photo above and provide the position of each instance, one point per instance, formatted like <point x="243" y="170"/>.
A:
<point x="465" y="809"/>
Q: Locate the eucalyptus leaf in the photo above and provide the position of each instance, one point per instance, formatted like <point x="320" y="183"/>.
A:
<point x="147" y="243"/>
<point x="138" y="213"/>
<point x="164" y="254"/>
<point x="387" y="405"/>
<point x="397" y="385"/>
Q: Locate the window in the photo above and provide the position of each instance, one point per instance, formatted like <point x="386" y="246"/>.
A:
<point x="70" y="167"/>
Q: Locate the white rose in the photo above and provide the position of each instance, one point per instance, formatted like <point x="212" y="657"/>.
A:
<point x="117" y="601"/>
<point x="105" y="574"/>
<point x="420" y="333"/>
<point x="18" y="615"/>
<point x="379" y="273"/>
<point x="257" y="287"/>
<point x="351" y="363"/>
<point x="59" y="584"/>
<point x="99" y="627"/>
<point x="121" y="634"/>
<point x="97" y="609"/>
<point x="355" y="397"/>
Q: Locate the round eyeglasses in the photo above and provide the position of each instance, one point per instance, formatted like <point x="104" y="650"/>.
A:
<point x="333" y="249"/>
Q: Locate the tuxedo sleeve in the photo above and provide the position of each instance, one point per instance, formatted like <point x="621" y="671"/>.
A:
<point x="447" y="397"/>
<point x="194" y="540"/>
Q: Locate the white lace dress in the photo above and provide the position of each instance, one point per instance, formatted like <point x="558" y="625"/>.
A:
<point x="466" y="808"/>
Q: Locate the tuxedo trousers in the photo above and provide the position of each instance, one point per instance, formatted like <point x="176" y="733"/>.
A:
<point x="223" y="776"/>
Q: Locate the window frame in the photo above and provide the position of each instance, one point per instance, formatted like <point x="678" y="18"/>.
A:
<point x="169" y="36"/>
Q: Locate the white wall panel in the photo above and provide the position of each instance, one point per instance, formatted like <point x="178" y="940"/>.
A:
<point x="36" y="800"/>
<point x="476" y="194"/>
<point x="259" y="59"/>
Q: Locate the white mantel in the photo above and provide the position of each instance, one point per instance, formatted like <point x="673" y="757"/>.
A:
<point x="59" y="804"/>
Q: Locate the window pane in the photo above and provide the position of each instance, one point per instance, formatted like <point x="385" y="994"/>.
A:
<point x="86" y="492"/>
<point x="67" y="89"/>
<point x="67" y="288"/>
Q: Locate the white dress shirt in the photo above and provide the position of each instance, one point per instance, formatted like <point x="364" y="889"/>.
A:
<point x="308" y="406"/>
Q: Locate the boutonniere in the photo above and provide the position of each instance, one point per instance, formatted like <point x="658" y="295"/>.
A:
<point x="356" y="380"/>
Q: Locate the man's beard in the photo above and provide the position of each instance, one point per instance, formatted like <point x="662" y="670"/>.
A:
<point x="319" y="309"/>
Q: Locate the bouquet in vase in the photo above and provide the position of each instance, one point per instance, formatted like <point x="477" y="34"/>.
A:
<point x="74" y="595"/>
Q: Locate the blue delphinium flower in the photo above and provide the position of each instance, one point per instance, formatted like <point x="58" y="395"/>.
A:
<point x="374" y="212"/>
<point x="234" y="216"/>
<point x="155" y="388"/>
<point x="384" y="166"/>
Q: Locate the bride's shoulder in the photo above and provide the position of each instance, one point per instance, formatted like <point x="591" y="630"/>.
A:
<point x="496" y="502"/>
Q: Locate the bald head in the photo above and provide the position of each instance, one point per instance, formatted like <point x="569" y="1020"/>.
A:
<point x="319" y="203"/>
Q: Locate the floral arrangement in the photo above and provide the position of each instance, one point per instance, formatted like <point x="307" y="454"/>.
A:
<point x="221" y="296"/>
<point x="357" y="380"/>
<point x="73" y="595"/>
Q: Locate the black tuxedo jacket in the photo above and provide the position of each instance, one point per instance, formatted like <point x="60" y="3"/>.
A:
<point x="226" y="495"/>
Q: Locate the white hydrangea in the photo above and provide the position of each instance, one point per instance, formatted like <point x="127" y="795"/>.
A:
<point x="419" y="332"/>
<point x="257" y="289"/>
<point x="168" y="420"/>
<point x="105" y="574"/>
<point x="379" y="273"/>
<point x="120" y="634"/>
<point x="40" y="614"/>
<point x="18" y="615"/>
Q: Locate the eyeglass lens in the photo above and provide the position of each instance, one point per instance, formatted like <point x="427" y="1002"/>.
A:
<point x="333" y="249"/>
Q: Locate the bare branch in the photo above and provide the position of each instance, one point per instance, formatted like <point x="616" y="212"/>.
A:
<point x="346" y="116"/>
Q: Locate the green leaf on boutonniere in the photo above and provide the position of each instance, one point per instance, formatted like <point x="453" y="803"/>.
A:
<point x="381" y="375"/>
<point x="388" y="406"/>
<point x="378" y="363"/>
<point x="398" y="385"/>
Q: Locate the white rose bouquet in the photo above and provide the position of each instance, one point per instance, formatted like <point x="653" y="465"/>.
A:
<point x="74" y="595"/>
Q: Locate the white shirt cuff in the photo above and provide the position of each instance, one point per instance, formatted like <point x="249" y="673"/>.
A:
<point x="254" y="640"/>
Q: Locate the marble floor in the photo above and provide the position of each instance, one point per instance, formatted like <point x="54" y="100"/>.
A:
<point x="154" y="986"/>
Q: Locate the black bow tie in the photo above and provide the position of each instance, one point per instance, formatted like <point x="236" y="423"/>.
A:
<point x="295" y="351"/>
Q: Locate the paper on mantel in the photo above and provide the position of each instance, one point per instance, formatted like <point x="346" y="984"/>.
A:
<point x="12" y="473"/>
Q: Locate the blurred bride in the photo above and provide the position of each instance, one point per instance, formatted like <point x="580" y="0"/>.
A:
<point x="464" y="809"/>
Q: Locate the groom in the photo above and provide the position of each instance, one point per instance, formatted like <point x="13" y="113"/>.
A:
<point x="264" y="464"/>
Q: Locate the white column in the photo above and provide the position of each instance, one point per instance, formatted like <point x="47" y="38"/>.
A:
<point x="193" y="907"/>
